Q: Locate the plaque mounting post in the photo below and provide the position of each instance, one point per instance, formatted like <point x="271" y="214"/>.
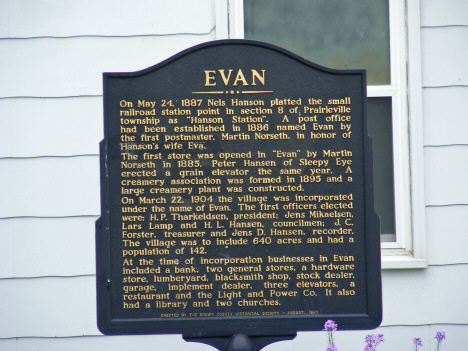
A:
<point x="241" y="342"/>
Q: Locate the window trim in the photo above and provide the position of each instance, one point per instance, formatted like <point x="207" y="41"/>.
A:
<point x="405" y="89"/>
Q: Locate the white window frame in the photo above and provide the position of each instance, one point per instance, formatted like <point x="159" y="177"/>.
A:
<point x="409" y="249"/>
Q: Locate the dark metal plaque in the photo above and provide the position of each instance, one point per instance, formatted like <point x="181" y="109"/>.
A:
<point x="237" y="197"/>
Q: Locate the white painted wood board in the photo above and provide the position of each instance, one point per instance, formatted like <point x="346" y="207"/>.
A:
<point x="114" y="343"/>
<point x="435" y="295"/>
<point x="38" y="247"/>
<point x="6" y="139"/>
<point x="444" y="13"/>
<point x="48" y="307"/>
<point x="8" y="345"/>
<point x="444" y="51"/>
<point x="50" y="187"/>
<point x="447" y="237"/>
<point x="396" y="338"/>
<point x="7" y="256"/>
<point x="58" y="18"/>
<point x="445" y="117"/>
<point x="446" y="175"/>
<point x="54" y="67"/>
<point x="50" y="126"/>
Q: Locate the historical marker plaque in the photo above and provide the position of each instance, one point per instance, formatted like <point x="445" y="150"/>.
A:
<point x="237" y="197"/>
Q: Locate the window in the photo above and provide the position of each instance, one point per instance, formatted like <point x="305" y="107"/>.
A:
<point x="375" y="35"/>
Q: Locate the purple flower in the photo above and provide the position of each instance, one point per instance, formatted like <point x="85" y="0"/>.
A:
<point x="440" y="336"/>
<point x="378" y="339"/>
<point x="330" y="326"/>
<point x="373" y="341"/>
<point x="417" y="342"/>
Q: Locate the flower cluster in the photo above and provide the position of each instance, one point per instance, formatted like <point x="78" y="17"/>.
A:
<point x="417" y="342"/>
<point x="439" y="337"/>
<point x="372" y="341"/>
<point x="330" y="327"/>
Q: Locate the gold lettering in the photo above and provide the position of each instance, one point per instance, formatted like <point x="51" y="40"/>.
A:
<point x="209" y="78"/>
<point x="225" y="79"/>
<point x="255" y="74"/>
<point x="240" y="77"/>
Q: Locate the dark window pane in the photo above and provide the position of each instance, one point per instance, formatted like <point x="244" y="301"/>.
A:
<point x="340" y="34"/>
<point x="379" y="118"/>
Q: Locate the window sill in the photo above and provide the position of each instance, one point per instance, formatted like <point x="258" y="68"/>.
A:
<point x="399" y="259"/>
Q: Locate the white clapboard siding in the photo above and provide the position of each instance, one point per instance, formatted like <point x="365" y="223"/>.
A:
<point x="52" y="67"/>
<point x="446" y="175"/>
<point x="8" y="344"/>
<point x="48" y="307"/>
<point x="435" y="295"/>
<point x="6" y="139"/>
<point x="7" y="266"/>
<point x="444" y="51"/>
<point x="447" y="238"/>
<point x="396" y="338"/>
<point x="59" y="18"/>
<point x="444" y="13"/>
<point x="50" y="187"/>
<point x="445" y="118"/>
<point x="51" y="126"/>
<point x="35" y="247"/>
<point x="114" y="343"/>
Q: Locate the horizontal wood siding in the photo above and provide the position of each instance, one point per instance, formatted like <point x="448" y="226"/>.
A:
<point x="104" y="343"/>
<point x="396" y="338"/>
<point x="444" y="52"/>
<point x="42" y="18"/>
<point x="445" y="117"/>
<point x="438" y="13"/>
<point x="41" y="247"/>
<point x="48" y="307"/>
<point x="447" y="237"/>
<point x="52" y="123"/>
<point x="446" y="180"/>
<point x="50" y="127"/>
<point x="445" y="78"/>
<point x="54" y="67"/>
<point x="49" y="186"/>
<point x="8" y="344"/>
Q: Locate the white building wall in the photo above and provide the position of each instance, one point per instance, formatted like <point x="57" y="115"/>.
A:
<point x="52" y="55"/>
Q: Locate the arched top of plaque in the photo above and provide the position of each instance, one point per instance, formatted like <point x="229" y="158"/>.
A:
<point x="235" y="45"/>
<point x="236" y="197"/>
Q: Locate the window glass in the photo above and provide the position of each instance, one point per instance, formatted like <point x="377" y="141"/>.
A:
<point x="379" y="122"/>
<point x="341" y="34"/>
